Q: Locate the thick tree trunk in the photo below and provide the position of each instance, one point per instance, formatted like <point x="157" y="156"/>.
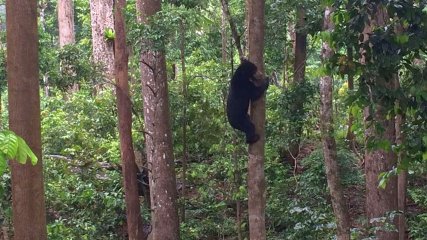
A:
<point x="380" y="126"/>
<point x="66" y="22"/>
<point x="256" y="178"/>
<point x="165" y="220"/>
<point x="29" y="217"/>
<point x="124" y="109"/>
<point x="300" y="51"/>
<point x="235" y="34"/>
<point x="329" y="144"/>
<point x="380" y="202"/>
<point x="101" y="13"/>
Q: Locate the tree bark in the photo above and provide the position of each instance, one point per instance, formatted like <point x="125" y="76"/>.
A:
<point x="66" y="22"/>
<point x="329" y="144"/>
<point x="300" y="51"/>
<point x="124" y="109"/>
<point x="223" y="37"/>
<point x="235" y="34"/>
<point x="402" y="178"/>
<point x="101" y="13"/>
<point x="165" y="220"/>
<point x="184" y="122"/>
<point x="256" y="178"/>
<point x="351" y="137"/>
<point x="380" y="126"/>
<point x="28" y="205"/>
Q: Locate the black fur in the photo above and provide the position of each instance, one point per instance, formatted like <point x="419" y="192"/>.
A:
<point x="242" y="92"/>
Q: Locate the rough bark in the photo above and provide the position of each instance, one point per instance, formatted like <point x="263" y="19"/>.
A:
<point x="165" y="220"/>
<point x="256" y="177"/>
<point x="300" y="51"/>
<point x="124" y="109"/>
<point x="101" y="13"/>
<point x="28" y="206"/>
<point x="235" y="34"/>
<point x="380" y="126"/>
<point x="380" y="201"/>
<point x="66" y="22"/>
<point x="329" y="144"/>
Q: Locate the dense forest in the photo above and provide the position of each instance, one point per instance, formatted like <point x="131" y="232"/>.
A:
<point x="114" y="121"/>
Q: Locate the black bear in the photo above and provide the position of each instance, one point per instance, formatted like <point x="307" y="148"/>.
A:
<point x="242" y="91"/>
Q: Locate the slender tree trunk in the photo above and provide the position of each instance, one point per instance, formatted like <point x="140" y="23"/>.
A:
<point x="28" y="206"/>
<point x="286" y="60"/>
<point x="124" y="109"/>
<point x="101" y="13"/>
<point x="351" y="138"/>
<point x="165" y="220"/>
<point x="402" y="179"/>
<point x="380" y="126"/>
<point x="66" y="22"/>
<point x="329" y="144"/>
<point x="300" y="49"/>
<point x="66" y="35"/>
<point x="402" y="183"/>
<point x="224" y="37"/>
<point x="236" y="36"/>
<point x="256" y="178"/>
<point x="184" y="124"/>
<point x="237" y="182"/>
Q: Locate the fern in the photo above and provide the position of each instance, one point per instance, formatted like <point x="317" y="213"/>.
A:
<point x="14" y="147"/>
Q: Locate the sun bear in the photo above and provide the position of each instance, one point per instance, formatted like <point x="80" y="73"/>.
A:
<point x="242" y="91"/>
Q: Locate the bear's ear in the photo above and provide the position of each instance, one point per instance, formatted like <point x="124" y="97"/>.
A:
<point x="243" y="60"/>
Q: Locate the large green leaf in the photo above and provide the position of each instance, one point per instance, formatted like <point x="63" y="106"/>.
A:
<point x="8" y="143"/>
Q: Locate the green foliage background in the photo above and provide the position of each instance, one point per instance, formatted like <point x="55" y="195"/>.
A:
<point x="84" y="195"/>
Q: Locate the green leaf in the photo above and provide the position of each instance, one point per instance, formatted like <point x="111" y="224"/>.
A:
<point x="21" y="155"/>
<point x="384" y="145"/>
<point x="8" y="144"/>
<point x="383" y="180"/>
<point x="3" y="164"/>
<point x="109" y="34"/>
<point x="14" y="147"/>
<point x="355" y="110"/>
<point x="402" y="39"/>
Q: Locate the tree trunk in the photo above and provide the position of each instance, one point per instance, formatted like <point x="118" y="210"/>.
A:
<point x="66" y="22"/>
<point x="28" y="206"/>
<point x="184" y="123"/>
<point x="165" y="220"/>
<point x="101" y="13"/>
<point x="402" y="179"/>
<point x="300" y="50"/>
<point x="329" y="144"/>
<point x="237" y="177"/>
<point x="124" y="109"/>
<point x="380" y="202"/>
<point x="256" y="178"/>
<point x="236" y="36"/>
<point x="223" y="37"/>
<point x="380" y="126"/>
<point x="351" y="137"/>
